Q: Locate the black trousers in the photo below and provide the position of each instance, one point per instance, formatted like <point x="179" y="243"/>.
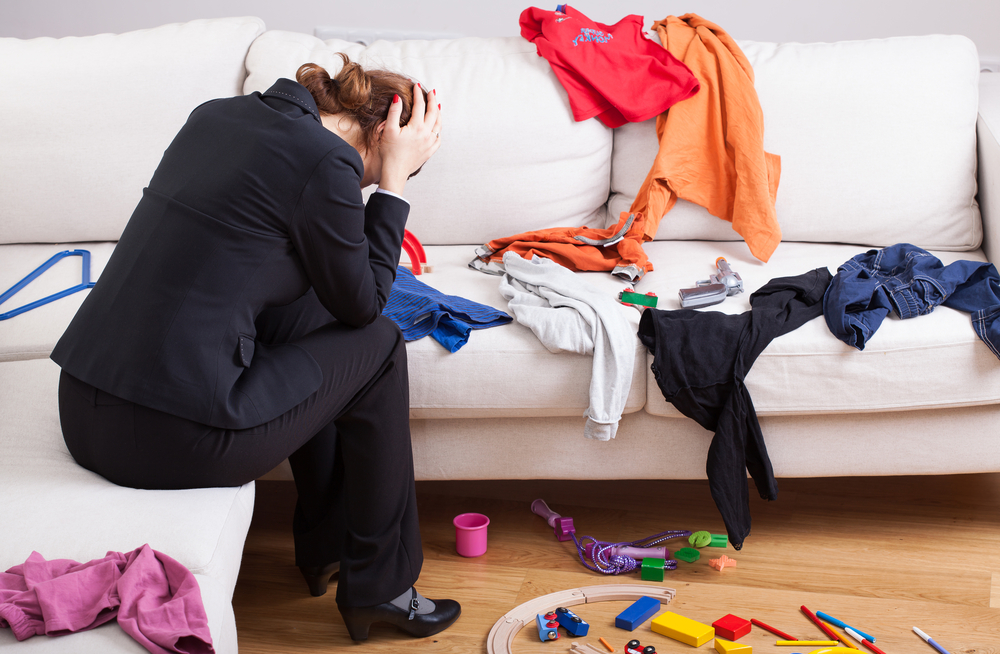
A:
<point x="348" y="445"/>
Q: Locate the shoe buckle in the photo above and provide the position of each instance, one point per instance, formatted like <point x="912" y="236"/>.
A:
<point x="414" y="605"/>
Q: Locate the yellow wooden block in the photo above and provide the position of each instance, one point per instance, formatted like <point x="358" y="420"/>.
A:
<point x="729" y="647"/>
<point x="686" y="630"/>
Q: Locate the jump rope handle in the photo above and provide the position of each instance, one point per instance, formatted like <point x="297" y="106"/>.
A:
<point x="540" y="508"/>
<point x="562" y="527"/>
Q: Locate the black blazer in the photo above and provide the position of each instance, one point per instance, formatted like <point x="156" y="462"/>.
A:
<point x="253" y="204"/>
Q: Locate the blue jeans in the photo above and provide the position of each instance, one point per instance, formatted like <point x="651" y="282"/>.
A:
<point x="910" y="281"/>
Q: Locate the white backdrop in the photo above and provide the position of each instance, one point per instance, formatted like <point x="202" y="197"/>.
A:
<point x="764" y="20"/>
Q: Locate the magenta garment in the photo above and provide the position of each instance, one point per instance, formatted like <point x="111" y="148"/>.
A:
<point x="156" y="599"/>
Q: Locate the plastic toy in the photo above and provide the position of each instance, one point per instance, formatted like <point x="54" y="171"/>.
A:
<point x="728" y="647"/>
<point x="630" y="298"/>
<point x="85" y="283"/>
<point x="548" y="628"/>
<point x="700" y="539"/>
<point x="686" y="630"/>
<point x="688" y="554"/>
<point x="601" y="556"/>
<point x="641" y="610"/>
<point x="634" y="552"/>
<point x="507" y="626"/>
<point x="607" y="644"/>
<point x="713" y="290"/>
<point x="732" y="627"/>
<point x="722" y="562"/>
<point x="635" y="647"/>
<point x="415" y="251"/>
<point x="719" y="540"/>
<point x="571" y="622"/>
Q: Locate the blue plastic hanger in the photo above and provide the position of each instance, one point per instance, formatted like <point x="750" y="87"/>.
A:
<point x="84" y="284"/>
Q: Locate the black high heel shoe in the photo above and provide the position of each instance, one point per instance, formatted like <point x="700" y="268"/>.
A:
<point x="360" y="618"/>
<point x="318" y="577"/>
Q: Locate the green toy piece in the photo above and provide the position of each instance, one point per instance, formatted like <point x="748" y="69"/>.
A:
<point x="700" y="538"/>
<point x="652" y="569"/>
<point x="687" y="554"/>
<point x="631" y="297"/>
<point x="719" y="540"/>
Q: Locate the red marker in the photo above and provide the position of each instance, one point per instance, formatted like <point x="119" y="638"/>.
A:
<point x="772" y="629"/>
<point x="819" y="623"/>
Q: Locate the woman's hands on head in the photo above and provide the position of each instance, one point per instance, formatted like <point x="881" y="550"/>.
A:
<point x="405" y="149"/>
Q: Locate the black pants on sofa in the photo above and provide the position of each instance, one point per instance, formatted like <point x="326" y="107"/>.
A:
<point x="348" y="445"/>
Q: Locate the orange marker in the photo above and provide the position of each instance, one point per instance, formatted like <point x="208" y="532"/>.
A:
<point x="605" y="643"/>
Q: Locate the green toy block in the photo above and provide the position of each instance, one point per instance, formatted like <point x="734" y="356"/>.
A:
<point x="631" y="297"/>
<point x="652" y="569"/>
<point x="719" y="540"/>
<point x="688" y="554"/>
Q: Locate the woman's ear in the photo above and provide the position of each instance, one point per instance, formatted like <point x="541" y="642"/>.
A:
<point x="379" y="130"/>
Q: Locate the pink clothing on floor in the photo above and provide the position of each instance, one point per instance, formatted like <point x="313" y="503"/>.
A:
<point x="156" y="599"/>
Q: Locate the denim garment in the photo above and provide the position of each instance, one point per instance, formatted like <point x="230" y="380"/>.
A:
<point x="910" y="281"/>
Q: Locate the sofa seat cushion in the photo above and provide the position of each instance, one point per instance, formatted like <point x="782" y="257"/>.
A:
<point x="503" y="371"/>
<point x="808" y="370"/>
<point x="33" y="334"/>
<point x="53" y="506"/>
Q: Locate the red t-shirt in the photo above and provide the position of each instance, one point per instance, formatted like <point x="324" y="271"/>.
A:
<point x="613" y="72"/>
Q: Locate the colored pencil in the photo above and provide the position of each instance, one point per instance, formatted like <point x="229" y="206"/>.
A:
<point x="774" y="631"/>
<point x="806" y="642"/>
<point x="864" y="641"/>
<point x="819" y="623"/>
<point x="843" y="625"/>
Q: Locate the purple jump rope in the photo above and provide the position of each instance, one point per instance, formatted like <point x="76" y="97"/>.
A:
<point x="605" y="557"/>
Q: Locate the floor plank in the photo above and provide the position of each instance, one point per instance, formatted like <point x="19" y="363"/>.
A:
<point x="884" y="554"/>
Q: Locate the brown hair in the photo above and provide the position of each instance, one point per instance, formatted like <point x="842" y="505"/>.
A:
<point x="364" y="95"/>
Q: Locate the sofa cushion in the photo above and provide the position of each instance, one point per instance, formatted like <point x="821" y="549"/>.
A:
<point x="503" y="371"/>
<point x="512" y="158"/>
<point x="877" y="142"/>
<point x="52" y="505"/>
<point x="33" y="334"/>
<point x="809" y="371"/>
<point x="91" y="117"/>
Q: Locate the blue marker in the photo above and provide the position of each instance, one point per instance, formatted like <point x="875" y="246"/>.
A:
<point x="834" y="621"/>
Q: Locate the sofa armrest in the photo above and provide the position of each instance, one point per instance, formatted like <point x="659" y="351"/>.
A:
<point x="988" y="136"/>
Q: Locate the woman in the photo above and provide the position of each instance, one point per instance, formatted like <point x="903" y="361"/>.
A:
<point x="239" y="323"/>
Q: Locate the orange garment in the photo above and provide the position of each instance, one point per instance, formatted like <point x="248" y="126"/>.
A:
<point x="712" y="144"/>
<point x="618" y="248"/>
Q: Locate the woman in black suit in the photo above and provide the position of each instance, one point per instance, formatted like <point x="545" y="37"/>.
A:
<point x="238" y="323"/>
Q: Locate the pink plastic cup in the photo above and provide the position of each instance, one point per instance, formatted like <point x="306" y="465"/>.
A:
<point x="470" y="534"/>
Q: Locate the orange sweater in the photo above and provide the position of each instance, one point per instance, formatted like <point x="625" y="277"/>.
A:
<point x="712" y="144"/>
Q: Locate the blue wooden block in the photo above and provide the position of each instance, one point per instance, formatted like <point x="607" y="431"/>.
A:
<point x="641" y="610"/>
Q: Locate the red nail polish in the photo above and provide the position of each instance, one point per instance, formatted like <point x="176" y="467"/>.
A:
<point x="434" y="91"/>
<point x="439" y="106"/>
<point x="395" y="98"/>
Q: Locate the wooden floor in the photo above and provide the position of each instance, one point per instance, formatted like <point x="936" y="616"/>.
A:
<point x="882" y="554"/>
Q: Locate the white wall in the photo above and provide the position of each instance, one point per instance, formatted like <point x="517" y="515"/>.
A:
<point x="764" y="20"/>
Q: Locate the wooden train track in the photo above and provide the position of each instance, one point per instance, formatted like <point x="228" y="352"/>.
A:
<point x="505" y="629"/>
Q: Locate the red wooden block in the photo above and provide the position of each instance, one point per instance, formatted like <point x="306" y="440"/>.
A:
<point x="731" y="627"/>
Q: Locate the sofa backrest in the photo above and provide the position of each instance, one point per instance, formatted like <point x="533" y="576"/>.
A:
<point x="512" y="158"/>
<point x="877" y="142"/>
<point x="85" y="120"/>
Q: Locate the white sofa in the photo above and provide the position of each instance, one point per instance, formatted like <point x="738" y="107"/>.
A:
<point x="881" y="142"/>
